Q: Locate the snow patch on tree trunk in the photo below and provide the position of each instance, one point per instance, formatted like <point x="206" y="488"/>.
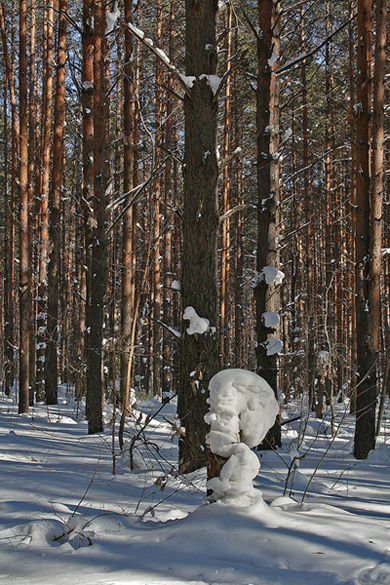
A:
<point x="197" y="324"/>
<point x="242" y="409"/>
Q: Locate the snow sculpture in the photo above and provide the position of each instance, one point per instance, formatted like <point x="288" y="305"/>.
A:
<point x="242" y="409"/>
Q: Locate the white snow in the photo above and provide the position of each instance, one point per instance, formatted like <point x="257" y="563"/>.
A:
<point x="242" y="409"/>
<point x="273" y="346"/>
<point x="272" y="60"/>
<point x="271" y="319"/>
<point x="111" y="19"/>
<point x="137" y="31"/>
<point x="87" y="85"/>
<point x="188" y="80"/>
<point x="271" y="275"/>
<point x="197" y="324"/>
<point x="212" y="80"/>
<point x="65" y="518"/>
<point x="163" y="55"/>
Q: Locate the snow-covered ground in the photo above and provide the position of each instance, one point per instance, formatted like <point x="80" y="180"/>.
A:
<point x="66" y="519"/>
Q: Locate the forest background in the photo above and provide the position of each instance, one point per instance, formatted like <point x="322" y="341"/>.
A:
<point x="157" y="156"/>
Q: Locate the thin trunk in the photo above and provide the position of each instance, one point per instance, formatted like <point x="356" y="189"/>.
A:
<point x="377" y="186"/>
<point x="128" y="275"/>
<point x="366" y="366"/>
<point x="10" y="323"/>
<point x="43" y="204"/>
<point x="157" y="208"/>
<point x="51" y="361"/>
<point x="267" y="294"/>
<point x="24" y="278"/>
<point x="225" y="227"/>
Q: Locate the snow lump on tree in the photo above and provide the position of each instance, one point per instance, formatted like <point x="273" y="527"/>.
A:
<point x="242" y="409"/>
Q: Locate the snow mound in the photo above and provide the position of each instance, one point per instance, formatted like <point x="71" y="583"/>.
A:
<point x="242" y="409"/>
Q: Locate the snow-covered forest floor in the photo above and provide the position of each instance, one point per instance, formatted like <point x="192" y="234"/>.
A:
<point x="65" y="518"/>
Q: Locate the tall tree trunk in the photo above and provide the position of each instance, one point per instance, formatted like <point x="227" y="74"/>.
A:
<point x="199" y="352"/>
<point x="127" y="235"/>
<point x="156" y="346"/>
<point x="366" y="356"/>
<point x="10" y="321"/>
<point x="309" y="221"/>
<point x="225" y="227"/>
<point x="168" y="349"/>
<point x="87" y="191"/>
<point x="352" y="130"/>
<point x="32" y="112"/>
<point x="43" y="202"/>
<point x="95" y="234"/>
<point x="51" y="361"/>
<point x="377" y="186"/>
<point x="24" y="278"/>
<point x="267" y="294"/>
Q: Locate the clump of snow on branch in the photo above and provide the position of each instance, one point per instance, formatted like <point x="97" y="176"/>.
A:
<point x="242" y="409"/>
<point x="197" y="324"/>
<point x="111" y="19"/>
<point x="272" y="60"/>
<point x="273" y="346"/>
<point x="270" y="275"/>
<point x="213" y="81"/>
<point x="188" y="80"/>
<point x="271" y="319"/>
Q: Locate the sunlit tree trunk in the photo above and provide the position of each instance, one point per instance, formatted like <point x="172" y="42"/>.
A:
<point x="267" y="295"/>
<point x="10" y="315"/>
<point x="24" y="277"/>
<point x="43" y="201"/>
<point x="377" y="186"/>
<point x="51" y="362"/>
<point x="32" y="130"/>
<point x="225" y="225"/>
<point x="128" y="276"/>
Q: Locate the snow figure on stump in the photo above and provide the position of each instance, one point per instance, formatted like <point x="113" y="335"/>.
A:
<point x="242" y="409"/>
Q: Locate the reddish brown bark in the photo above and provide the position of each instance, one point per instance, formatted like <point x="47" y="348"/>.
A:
<point x="51" y="361"/>
<point x="24" y="278"/>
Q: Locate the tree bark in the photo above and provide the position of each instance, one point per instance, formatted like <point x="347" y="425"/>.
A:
<point x="51" y="361"/>
<point x="95" y="234"/>
<point x="24" y="278"/>
<point x="199" y="352"/>
<point x="267" y="296"/>
<point x="366" y="366"/>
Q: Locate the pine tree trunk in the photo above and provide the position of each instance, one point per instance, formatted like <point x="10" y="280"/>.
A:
<point x="225" y="224"/>
<point x="95" y="234"/>
<point x="267" y="296"/>
<point x="128" y="275"/>
<point x="24" y="278"/>
<point x="51" y="361"/>
<point x="366" y="366"/>
<point x="199" y="358"/>
<point x="10" y="315"/>
<point x="43" y="203"/>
